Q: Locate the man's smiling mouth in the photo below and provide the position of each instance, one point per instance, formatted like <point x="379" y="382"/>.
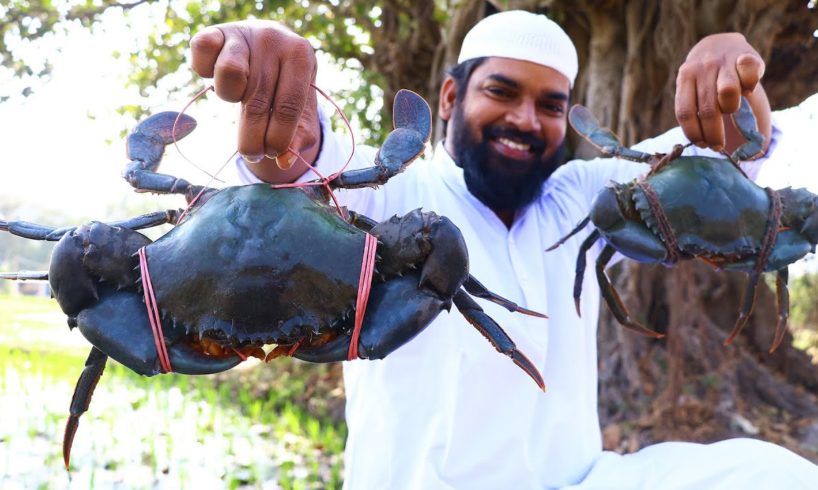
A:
<point x="515" y="145"/>
<point x="512" y="149"/>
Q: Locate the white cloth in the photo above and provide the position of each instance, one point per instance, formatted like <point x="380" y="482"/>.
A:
<point x="446" y="411"/>
<point x="734" y="464"/>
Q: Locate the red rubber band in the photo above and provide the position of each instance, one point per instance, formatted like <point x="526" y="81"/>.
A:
<point x="153" y="313"/>
<point x="364" y="286"/>
<point x="294" y="347"/>
<point x="239" y="353"/>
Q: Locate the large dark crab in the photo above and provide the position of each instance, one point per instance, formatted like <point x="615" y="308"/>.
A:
<point x="254" y="265"/>
<point x="696" y="207"/>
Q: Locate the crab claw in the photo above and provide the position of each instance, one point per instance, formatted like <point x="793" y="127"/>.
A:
<point x="745" y="122"/>
<point x="410" y="111"/>
<point x="147" y="142"/>
<point x="412" y="119"/>
<point x="587" y="125"/>
<point x="397" y="311"/>
<point x="85" y="255"/>
<point x="146" y="145"/>
<point x="118" y="325"/>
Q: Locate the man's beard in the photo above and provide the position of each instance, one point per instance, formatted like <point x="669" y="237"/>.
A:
<point x="501" y="183"/>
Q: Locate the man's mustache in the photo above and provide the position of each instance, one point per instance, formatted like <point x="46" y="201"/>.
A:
<point x="537" y="145"/>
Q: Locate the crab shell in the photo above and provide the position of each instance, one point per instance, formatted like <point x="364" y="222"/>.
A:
<point x="713" y="208"/>
<point x="259" y="265"/>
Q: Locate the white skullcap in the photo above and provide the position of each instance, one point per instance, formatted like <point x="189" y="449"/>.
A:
<point x="522" y="35"/>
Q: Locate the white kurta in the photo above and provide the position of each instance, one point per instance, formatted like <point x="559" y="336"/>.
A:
<point x="446" y="410"/>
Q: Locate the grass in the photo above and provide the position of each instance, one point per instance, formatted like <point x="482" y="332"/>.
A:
<point x="248" y="428"/>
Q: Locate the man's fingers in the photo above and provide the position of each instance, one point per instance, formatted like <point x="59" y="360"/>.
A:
<point x="267" y="68"/>
<point x="729" y="90"/>
<point x="686" y="105"/>
<point x="232" y="67"/>
<point x="292" y="96"/>
<point x="258" y="98"/>
<point x="750" y="69"/>
<point x="204" y="50"/>
<point x="306" y="137"/>
<point x="709" y="112"/>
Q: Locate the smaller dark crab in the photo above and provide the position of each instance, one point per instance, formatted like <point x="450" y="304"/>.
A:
<point x="696" y="207"/>
<point x="254" y="265"/>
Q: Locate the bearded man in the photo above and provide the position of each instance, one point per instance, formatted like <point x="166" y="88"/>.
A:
<point x="445" y="410"/>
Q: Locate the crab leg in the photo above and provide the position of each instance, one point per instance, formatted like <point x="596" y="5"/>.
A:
<point x="34" y="231"/>
<point x="25" y="275"/>
<point x="580" y="268"/>
<point x="762" y="260"/>
<point x="94" y="366"/>
<point x="39" y="232"/>
<point x="401" y="148"/>
<point x="361" y="222"/>
<point x="475" y="288"/>
<point x="617" y="307"/>
<point x="495" y="335"/>
<point x="748" y="301"/>
<point x="398" y="310"/>
<point x="587" y="125"/>
<point x="783" y="297"/>
<point x="582" y="224"/>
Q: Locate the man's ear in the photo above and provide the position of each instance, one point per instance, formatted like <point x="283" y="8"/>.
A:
<point x="448" y="93"/>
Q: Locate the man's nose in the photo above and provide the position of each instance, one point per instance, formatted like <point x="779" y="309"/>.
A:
<point x="524" y="117"/>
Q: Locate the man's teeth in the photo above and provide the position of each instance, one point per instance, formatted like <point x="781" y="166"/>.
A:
<point x="514" y="144"/>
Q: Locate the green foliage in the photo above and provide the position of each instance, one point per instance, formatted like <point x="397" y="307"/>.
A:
<point x="803" y="321"/>
<point x="341" y="29"/>
<point x="803" y="305"/>
<point x="25" y="21"/>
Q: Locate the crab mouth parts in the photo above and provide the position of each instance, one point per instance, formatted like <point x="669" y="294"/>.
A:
<point x="215" y="344"/>
<point x="218" y="347"/>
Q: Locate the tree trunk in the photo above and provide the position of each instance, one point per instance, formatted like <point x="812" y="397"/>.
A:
<point x="691" y="387"/>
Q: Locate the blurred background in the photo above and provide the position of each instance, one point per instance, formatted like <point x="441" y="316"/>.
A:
<point x="76" y="76"/>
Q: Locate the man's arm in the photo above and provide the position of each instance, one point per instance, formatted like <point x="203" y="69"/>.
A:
<point x="269" y="70"/>
<point x="719" y="69"/>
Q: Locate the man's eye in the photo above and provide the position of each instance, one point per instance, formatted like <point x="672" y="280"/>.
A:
<point x="498" y="91"/>
<point x="554" y="108"/>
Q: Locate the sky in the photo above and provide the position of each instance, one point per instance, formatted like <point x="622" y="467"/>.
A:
<point x="61" y="149"/>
